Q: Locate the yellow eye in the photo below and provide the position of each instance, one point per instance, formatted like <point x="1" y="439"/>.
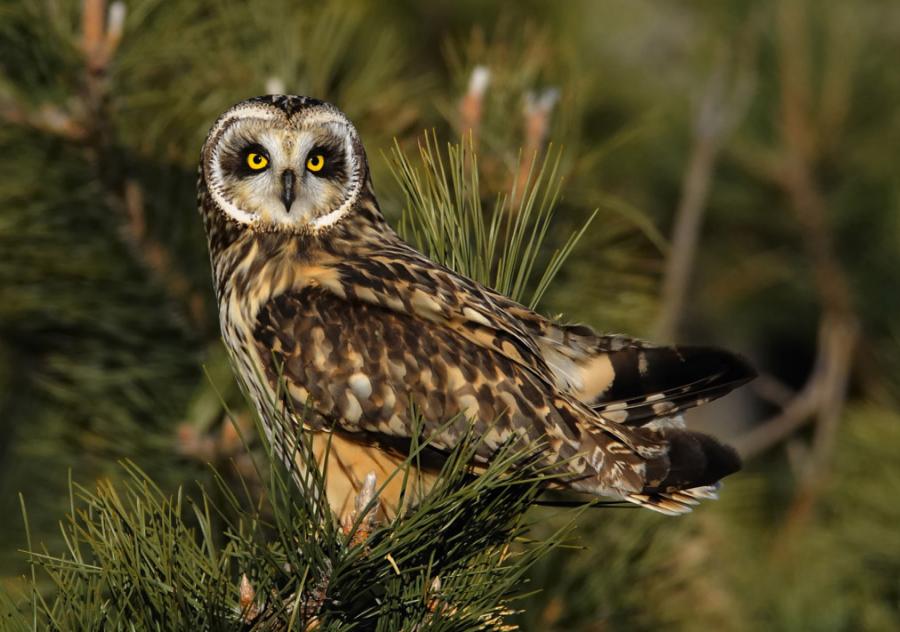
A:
<point x="315" y="163"/>
<point x="257" y="161"/>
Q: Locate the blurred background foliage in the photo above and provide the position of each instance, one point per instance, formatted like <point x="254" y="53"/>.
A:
<point x="742" y="158"/>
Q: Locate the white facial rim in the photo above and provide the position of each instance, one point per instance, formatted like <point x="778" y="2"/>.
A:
<point x="216" y="190"/>
<point x="355" y="183"/>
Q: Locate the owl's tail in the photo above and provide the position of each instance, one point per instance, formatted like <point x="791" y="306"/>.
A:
<point x="647" y="392"/>
<point x="690" y="471"/>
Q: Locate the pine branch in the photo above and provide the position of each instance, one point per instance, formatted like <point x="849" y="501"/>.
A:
<point x="104" y="274"/>
<point x="444" y="217"/>
<point x="138" y="557"/>
<point x="717" y="114"/>
<point x="453" y="560"/>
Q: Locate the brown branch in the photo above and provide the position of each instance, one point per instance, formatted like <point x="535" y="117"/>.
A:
<point x="823" y="397"/>
<point x="45" y="118"/>
<point x="686" y="234"/>
<point x="799" y="156"/>
<point x="471" y="107"/>
<point x="537" y="113"/>
<point x="815" y="398"/>
<point x="770" y="389"/>
<point x="778" y="428"/>
<point x="156" y="258"/>
<point x="718" y="113"/>
<point x="102" y="32"/>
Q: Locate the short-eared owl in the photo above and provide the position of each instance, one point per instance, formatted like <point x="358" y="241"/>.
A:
<point x="315" y="289"/>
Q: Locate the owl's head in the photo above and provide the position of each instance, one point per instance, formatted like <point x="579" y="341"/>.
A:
<point x="283" y="163"/>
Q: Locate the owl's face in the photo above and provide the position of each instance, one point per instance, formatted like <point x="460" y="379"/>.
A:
<point x="284" y="163"/>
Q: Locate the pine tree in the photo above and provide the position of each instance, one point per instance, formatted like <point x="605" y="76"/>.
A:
<point x="734" y="166"/>
<point x="451" y="561"/>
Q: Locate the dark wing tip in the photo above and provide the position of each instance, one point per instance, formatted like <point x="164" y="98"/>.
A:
<point x="701" y="361"/>
<point x="696" y="460"/>
<point x="651" y="382"/>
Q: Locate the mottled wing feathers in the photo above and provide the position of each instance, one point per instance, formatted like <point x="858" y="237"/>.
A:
<point x="631" y="381"/>
<point x="399" y="278"/>
<point x="626" y="379"/>
<point x="366" y="336"/>
<point x="360" y="368"/>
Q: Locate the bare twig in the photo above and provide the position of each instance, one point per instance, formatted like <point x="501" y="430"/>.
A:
<point x="686" y="232"/>
<point x="156" y="258"/>
<point x="249" y="609"/>
<point x="770" y="389"/>
<point x="537" y="112"/>
<point x="718" y="113"/>
<point x="828" y="376"/>
<point x="363" y="515"/>
<point x="822" y="398"/>
<point x="45" y="118"/>
<point x="471" y="107"/>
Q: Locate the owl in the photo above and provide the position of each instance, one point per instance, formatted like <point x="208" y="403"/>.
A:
<point x="332" y="319"/>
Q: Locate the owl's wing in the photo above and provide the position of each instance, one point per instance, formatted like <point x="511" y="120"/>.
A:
<point x="401" y="279"/>
<point x="362" y="368"/>
<point x="626" y="379"/>
<point x="374" y="332"/>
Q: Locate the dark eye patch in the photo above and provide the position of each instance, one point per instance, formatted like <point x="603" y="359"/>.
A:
<point x="235" y="161"/>
<point x="335" y="163"/>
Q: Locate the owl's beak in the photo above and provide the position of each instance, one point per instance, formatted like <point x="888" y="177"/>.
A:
<point x="287" y="189"/>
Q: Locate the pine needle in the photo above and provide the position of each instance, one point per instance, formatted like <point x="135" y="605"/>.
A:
<point x="444" y="216"/>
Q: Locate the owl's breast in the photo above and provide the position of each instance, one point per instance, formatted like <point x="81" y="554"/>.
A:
<point x="252" y="275"/>
<point x="237" y="333"/>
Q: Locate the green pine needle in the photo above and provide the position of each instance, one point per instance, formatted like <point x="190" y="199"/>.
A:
<point x="444" y="217"/>
<point x="139" y="557"/>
